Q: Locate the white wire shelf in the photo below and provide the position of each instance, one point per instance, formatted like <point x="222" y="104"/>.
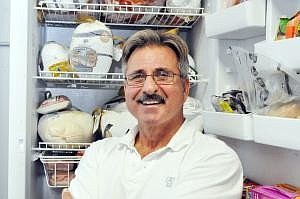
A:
<point x="46" y="146"/>
<point x="56" y="13"/>
<point x="60" y="161"/>
<point x="60" y="151"/>
<point x="88" y="80"/>
<point x="82" y="79"/>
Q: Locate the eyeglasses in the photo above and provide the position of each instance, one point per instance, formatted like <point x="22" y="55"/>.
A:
<point x="160" y="77"/>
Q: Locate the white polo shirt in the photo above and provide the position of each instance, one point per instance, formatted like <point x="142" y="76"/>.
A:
<point x="191" y="166"/>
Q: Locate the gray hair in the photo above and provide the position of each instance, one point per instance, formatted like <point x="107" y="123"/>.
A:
<point x="148" y="37"/>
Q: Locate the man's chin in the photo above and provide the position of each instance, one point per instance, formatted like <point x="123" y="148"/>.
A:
<point x="148" y="121"/>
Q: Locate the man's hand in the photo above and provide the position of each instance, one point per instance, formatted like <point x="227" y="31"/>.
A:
<point x="66" y="194"/>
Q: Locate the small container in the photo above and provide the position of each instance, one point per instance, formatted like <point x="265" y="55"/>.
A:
<point x="293" y="26"/>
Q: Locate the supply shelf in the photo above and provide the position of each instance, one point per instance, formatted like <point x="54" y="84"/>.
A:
<point x="55" y="13"/>
<point x="81" y="80"/>
<point x="250" y="22"/>
<point x="281" y="52"/>
<point x="277" y="131"/>
<point x="233" y="125"/>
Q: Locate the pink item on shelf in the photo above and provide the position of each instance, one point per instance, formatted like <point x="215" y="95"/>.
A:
<point x="271" y="192"/>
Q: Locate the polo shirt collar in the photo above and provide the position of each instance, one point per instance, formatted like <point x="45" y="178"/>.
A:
<point x="183" y="137"/>
<point x="129" y="138"/>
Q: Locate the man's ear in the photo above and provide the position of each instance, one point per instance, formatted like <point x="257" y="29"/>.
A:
<point x="124" y="87"/>
<point x="186" y="88"/>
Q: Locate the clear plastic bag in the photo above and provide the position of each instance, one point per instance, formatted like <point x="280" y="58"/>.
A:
<point x="261" y="88"/>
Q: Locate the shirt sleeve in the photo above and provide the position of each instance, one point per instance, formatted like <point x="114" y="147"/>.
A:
<point x="219" y="176"/>
<point x="84" y="184"/>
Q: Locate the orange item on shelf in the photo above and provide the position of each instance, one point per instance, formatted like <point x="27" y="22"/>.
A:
<point x="289" y="31"/>
<point x="293" y="26"/>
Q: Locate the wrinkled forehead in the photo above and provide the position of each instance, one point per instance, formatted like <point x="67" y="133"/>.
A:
<point x="151" y="58"/>
<point x="154" y="70"/>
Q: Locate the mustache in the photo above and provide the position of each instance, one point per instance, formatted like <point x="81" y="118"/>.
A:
<point x="156" y="97"/>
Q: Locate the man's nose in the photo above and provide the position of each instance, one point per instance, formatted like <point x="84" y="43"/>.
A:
<point x="150" y="86"/>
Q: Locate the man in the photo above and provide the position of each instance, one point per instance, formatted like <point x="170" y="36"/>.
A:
<point x="164" y="157"/>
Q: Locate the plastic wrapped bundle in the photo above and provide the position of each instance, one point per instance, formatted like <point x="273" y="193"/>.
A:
<point x="91" y="48"/>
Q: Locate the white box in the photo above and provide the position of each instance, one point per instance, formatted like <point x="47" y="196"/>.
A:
<point x="232" y="125"/>
<point x="277" y="131"/>
<point x="241" y="21"/>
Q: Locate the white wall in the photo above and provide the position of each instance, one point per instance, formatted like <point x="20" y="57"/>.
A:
<point x="4" y="81"/>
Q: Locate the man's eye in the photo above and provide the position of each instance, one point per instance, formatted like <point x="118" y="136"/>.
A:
<point x="162" y="73"/>
<point x="136" y="76"/>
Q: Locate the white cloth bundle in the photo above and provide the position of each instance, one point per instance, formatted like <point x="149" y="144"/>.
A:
<point x="66" y="127"/>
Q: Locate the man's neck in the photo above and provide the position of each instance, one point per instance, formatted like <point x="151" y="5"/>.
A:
<point x="153" y="137"/>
